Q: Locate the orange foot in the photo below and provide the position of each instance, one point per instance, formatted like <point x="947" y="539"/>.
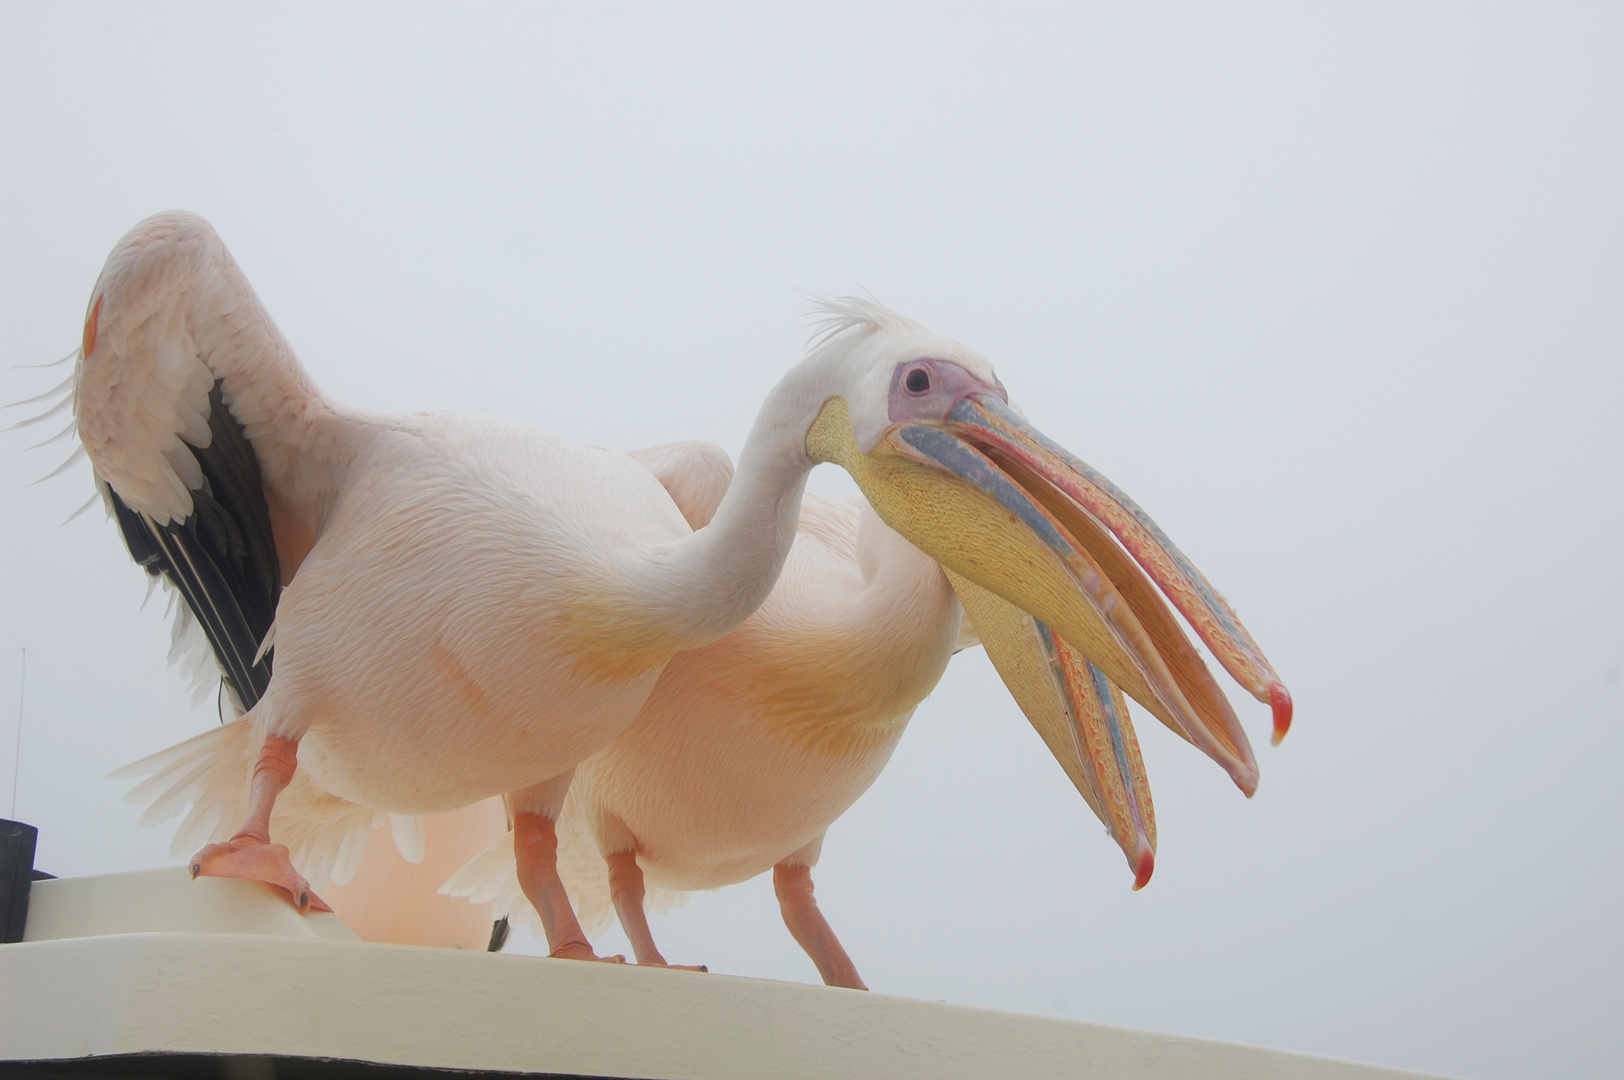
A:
<point x="577" y="951"/>
<point x="256" y="860"/>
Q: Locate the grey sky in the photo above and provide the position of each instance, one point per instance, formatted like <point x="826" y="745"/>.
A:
<point x="1335" y="293"/>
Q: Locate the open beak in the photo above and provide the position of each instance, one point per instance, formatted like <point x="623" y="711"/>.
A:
<point x="994" y="501"/>
<point x="1035" y="460"/>
<point x="1081" y="717"/>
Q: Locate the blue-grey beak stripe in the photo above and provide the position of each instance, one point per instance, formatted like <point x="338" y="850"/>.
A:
<point x="975" y="469"/>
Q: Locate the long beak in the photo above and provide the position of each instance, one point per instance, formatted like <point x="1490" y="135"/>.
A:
<point x="1081" y="717"/>
<point x="1018" y="446"/>
<point x="994" y="502"/>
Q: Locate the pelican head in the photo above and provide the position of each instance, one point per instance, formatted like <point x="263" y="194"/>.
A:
<point x="929" y="433"/>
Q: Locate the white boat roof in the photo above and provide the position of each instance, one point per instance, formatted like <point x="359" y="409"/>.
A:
<point x="152" y="963"/>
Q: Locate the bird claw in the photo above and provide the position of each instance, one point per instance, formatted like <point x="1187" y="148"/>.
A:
<point x="255" y="860"/>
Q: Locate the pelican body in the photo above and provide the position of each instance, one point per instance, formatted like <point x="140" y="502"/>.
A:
<point x="750" y="748"/>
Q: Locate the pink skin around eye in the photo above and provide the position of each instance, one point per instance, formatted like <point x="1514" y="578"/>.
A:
<point x="948" y="385"/>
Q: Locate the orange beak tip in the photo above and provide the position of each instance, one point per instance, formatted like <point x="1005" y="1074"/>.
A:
<point x="1280" y="700"/>
<point x="1146" y="866"/>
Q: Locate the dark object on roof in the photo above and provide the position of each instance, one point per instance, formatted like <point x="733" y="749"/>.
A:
<point x="16" y="876"/>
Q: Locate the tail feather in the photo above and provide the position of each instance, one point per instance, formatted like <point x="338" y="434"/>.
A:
<point x="347" y="859"/>
<point x="208" y="777"/>
<point x="173" y="800"/>
<point x="409" y="836"/>
<point x="157" y="784"/>
<point x="658" y="899"/>
<point x="153" y="763"/>
<point x="203" y="824"/>
<point x="491" y="877"/>
<point x="326" y="835"/>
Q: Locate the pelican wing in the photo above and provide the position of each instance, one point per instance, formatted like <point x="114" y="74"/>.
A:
<point x="213" y="447"/>
<point x="695" y="474"/>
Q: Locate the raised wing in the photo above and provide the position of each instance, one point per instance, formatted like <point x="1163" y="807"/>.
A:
<point x="695" y="474"/>
<point x="215" y="450"/>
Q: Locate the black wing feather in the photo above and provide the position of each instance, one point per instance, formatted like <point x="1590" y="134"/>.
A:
<point x="222" y="558"/>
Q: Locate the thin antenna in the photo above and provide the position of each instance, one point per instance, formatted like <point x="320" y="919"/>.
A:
<point x="17" y="756"/>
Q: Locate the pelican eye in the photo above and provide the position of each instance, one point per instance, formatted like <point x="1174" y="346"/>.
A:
<point x="918" y="381"/>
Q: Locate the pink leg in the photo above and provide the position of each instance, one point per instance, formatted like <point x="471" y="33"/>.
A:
<point x="535" y="846"/>
<point x="250" y="854"/>
<point x="806" y="923"/>
<point x="626" y="887"/>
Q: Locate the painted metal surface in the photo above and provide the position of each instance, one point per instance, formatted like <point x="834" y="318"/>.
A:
<point x="272" y="987"/>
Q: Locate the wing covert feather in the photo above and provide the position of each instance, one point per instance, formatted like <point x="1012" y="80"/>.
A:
<point x="170" y="318"/>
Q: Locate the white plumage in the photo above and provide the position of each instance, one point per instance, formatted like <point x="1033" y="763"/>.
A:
<point x="750" y="748"/>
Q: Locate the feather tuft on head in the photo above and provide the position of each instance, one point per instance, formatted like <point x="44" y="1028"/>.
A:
<point x="837" y="315"/>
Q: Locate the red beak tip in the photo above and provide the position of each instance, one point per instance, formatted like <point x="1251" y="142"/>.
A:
<point x="1280" y="699"/>
<point x="1146" y="867"/>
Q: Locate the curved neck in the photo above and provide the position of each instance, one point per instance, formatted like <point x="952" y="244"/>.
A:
<point x="700" y="587"/>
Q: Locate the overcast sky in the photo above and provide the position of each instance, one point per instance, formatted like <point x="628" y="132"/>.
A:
<point x="1336" y="294"/>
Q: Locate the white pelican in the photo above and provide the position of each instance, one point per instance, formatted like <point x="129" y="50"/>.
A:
<point x="471" y="606"/>
<point x="749" y="748"/>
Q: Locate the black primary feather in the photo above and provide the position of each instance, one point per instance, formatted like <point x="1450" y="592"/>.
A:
<point x="223" y="557"/>
<point x="499" y="935"/>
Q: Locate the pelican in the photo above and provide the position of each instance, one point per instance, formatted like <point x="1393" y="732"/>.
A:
<point x="751" y="747"/>
<point x="467" y="606"/>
